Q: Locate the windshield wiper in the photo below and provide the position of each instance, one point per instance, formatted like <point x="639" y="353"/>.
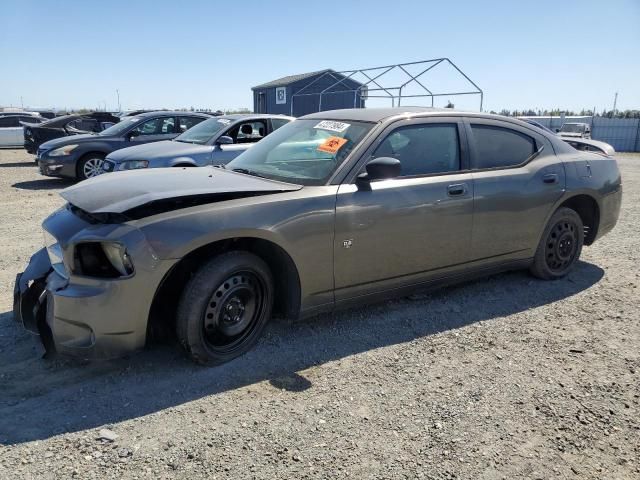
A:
<point x="247" y="172"/>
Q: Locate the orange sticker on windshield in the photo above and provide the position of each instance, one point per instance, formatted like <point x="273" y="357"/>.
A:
<point x="332" y="144"/>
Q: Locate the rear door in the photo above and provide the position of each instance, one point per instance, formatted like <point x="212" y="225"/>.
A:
<point x="10" y="131"/>
<point x="517" y="179"/>
<point x="407" y="228"/>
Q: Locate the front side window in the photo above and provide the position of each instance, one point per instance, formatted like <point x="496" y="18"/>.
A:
<point x="248" y="132"/>
<point x="497" y="147"/>
<point x="185" y="123"/>
<point x="157" y="126"/>
<point x="305" y="152"/>
<point x="423" y="149"/>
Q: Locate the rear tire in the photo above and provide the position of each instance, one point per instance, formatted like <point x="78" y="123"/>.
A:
<point x="90" y="166"/>
<point x="225" y="307"/>
<point x="560" y="245"/>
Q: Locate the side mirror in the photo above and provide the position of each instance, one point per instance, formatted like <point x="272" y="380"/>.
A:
<point x="380" y="168"/>
<point x="132" y="134"/>
<point x="224" y="140"/>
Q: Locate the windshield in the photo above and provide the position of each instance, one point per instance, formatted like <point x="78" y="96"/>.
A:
<point x="305" y="152"/>
<point x="204" y="131"/>
<point x="572" y="128"/>
<point x="120" y="127"/>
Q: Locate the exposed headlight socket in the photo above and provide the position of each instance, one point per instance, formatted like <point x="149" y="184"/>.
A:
<point x="102" y="259"/>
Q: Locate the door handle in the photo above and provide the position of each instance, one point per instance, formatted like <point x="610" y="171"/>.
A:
<point x="457" y="189"/>
<point x="550" y="178"/>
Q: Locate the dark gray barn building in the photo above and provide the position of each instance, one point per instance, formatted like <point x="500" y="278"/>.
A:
<point x="305" y="93"/>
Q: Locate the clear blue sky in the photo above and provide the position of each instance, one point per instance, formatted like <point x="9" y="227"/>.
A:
<point x="568" y="54"/>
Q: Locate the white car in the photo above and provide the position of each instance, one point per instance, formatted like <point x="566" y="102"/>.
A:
<point x="11" y="128"/>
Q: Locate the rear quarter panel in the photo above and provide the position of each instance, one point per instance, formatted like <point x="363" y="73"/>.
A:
<point x="599" y="177"/>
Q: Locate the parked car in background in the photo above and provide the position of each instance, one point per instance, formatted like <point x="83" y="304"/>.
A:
<point x="81" y="156"/>
<point x="588" y="145"/>
<point x="334" y="209"/>
<point x="579" y="130"/>
<point x="217" y="140"/>
<point x="65" y="126"/>
<point x="11" y="128"/>
<point x="583" y="144"/>
<point x="537" y="124"/>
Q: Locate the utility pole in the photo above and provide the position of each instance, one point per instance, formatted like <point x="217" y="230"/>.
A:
<point x="615" y="102"/>
<point x="118" y="94"/>
<point x="21" y="102"/>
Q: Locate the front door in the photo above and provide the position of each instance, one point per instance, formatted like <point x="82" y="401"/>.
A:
<point x="407" y="228"/>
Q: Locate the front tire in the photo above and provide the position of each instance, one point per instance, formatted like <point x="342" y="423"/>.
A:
<point x="90" y="166"/>
<point x="225" y="307"/>
<point x="560" y="245"/>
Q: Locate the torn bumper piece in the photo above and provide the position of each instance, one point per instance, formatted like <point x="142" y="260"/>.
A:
<point x="73" y="318"/>
<point x="29" y="298"/>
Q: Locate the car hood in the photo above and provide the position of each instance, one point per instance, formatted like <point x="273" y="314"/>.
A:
<point x="123" y="191"/>
<point x="157" y="150"/>
<point x="71" y="140"/>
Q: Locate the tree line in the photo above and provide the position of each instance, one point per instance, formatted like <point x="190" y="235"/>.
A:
<point x="557" y="112"/>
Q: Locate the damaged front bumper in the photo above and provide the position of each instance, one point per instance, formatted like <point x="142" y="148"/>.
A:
<point x="83" y="316"/>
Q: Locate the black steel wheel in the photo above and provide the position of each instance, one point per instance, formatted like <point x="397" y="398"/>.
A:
<point x="233" y="311"/>
<point x="225" y="307"/>
<point x="560" y="246"/>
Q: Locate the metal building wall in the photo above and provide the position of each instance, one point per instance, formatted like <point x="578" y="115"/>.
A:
<point x="623" y="134"/>
<point x="304" y="104"/>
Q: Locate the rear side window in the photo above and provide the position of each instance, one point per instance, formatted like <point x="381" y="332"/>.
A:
<point x="30" y="119"/>
<point x="187" y="122"/>
<point x="423" y="149"/>
<point x="11" y="121"/>
<point x="497" y="147"/>
<point x="276" y="123"/>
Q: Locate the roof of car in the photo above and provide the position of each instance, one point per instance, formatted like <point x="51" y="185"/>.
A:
<point x="169" y="112"/>
<point x="379" y="114"/>
<point x="240" y="116"/>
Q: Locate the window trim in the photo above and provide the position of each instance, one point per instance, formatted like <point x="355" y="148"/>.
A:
<point x="538" y="144"/>
<point x="350" y="177"/>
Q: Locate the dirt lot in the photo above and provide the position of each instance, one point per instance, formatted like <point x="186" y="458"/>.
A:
<point x="509" y="377"/>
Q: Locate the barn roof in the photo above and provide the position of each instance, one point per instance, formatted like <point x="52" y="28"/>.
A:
<point x="281" y="82"/>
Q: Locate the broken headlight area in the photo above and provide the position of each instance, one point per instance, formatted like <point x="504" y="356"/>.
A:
<point x="54" y="251"/>
<point x="102" y="260"/>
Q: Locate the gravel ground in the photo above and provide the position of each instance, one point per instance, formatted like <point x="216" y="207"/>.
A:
<point x="508" y="377"/>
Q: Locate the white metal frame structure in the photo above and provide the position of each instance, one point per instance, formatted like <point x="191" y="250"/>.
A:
<point x="374" y="83"/>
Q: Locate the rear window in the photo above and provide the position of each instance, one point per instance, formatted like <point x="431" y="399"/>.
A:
<point x="497" y="147"/>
